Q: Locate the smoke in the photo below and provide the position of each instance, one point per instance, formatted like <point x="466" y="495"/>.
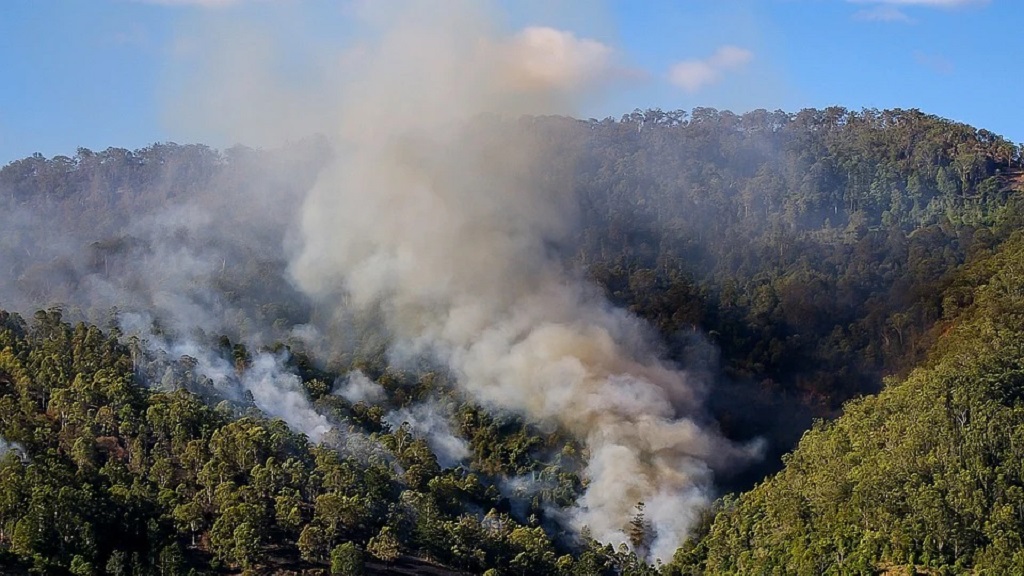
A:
<point x="14" y="447"/>
<point x="433" y="217"/>
<point x="436" y="216"/>
<point x="165" y="243"/>
<point x="279" y="393"/>
<point x="170" y="231"/>
<point x="264" y="381"/>
<point x="358" y="388"/>
<point x="430" y="421"/>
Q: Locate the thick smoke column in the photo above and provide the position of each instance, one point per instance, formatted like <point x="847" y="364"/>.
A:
<point x="434" y="212"/>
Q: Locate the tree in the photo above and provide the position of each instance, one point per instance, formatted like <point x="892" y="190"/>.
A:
<point x="533" y="553"/>
<point x="384" y="546"/>
<point x="313" y="543"/>
<point x="288" y="510"/>
<point x="639" y="531"/>
<point x="338" y="514"/>
<point x="189" y="517"/>
<point x="81" y="567"/>
<point x="248" y="548"/>
<point x="117" y="564"/>
<point x="347" y="560"/>
<point x="171" y="561"/>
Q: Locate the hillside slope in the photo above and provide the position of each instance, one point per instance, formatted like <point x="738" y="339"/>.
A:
<point x="809" y="248"/>
<point x="927" y="474"/>
<point x="221" y="419"/>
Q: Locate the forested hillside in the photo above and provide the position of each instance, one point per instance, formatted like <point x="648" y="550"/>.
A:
<point x="812" y="248"/>
<point x="102" y="475"/>
<point x="925" y="476"/>
<point x="179" y="405"/>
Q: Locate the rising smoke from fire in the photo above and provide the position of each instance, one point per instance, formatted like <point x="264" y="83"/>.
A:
<point x="434" y="213"/>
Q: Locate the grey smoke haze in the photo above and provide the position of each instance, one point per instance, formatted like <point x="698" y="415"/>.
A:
<point x="434" y="218"/>
<point x="168" y="236"/>
<point x="433" y="213"/>
<point x="167" y="265"/>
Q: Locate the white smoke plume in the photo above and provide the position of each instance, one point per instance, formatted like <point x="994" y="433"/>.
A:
<point x="429" y="421"/>
<point x="356" y="387"/>
<point x="433" y="214"/>
<point x="14" y="447"/>
<point x="279" y="393"/>
<point x="272" y="387"/>
<point x="521" y="490"/>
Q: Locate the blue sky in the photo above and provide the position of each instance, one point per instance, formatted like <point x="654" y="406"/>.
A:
<point x="102" y="73"/>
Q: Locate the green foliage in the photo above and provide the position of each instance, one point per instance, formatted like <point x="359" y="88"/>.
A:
<point x="347" y="560"/>
<point x="313" y="543"/>
<point x="927" y="473"/>
<point x="384" y="546"/>
<point x="128" y="480"/>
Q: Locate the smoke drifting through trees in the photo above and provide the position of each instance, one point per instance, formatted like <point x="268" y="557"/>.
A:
<point x="430" y="421"/>
<point x="815" y="248"/>
<point x="161" y="259"/>
<point x="8" y="447"/>
<point x="160" y="231"/>
<point x="434" y="214"/>
<point x="433" y="217"/>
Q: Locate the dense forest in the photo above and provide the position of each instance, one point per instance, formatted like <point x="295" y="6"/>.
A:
<point x="923" y="477"/>
<point x="170" y="403"/>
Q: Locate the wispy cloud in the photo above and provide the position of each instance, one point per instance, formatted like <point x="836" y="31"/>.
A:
<point x="894" y="10"/>
<point x="934" y="62"/>
<point x="546" y="57"/>
<point x="199" y="3"/>
<point x="694" y="74"/>
<point x="885" y="13"/>
<point x="925" y="3"/>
